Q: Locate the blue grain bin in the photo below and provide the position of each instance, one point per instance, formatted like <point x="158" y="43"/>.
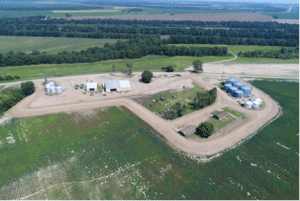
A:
<point x="238" y="94"/>
<point x="247" y="90"/>
<point x="227" y="86"/>
<point x="231" y="80"/>
<point x="232" y="90"/>
<point x="238" y="84"/>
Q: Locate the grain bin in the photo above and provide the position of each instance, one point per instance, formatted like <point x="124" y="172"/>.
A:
<point x="257" y="100"/>
<point x="238" y="94"/>
<point x="48" y="86"/>
<point x="59" y="89"/>
<point x="256" y="104"/>
<point x="52" y="84"/>
<point x="238" y="84"/>
<point x="247" y="90"/>
<point x="53" y="90"/>
<point x="232" y="90"/>
<point x="248" y="104"/>
<point x="231" y="80"/>
<point x="227" y="86"/>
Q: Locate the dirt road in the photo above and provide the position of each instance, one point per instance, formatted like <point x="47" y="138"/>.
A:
<point x="256" y="119"/>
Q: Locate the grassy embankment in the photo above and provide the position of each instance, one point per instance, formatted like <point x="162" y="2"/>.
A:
<point x="152" y="63"/>
<point x="245" y="48"/>
<point x="51" y="45"/>
<point x="118" y="156"/>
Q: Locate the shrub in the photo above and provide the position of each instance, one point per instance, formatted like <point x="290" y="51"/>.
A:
<point x="147" y="76"/>
<point x="205" y="129"/>
<point x="27" y="88"/>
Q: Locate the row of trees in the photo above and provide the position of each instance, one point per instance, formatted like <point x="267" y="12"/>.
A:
<point x="134" y="48"/>
<point x="188" y="39"/>
<point x="39" y="20"/>
<point x="9" y="77"/>
<point x="283" y="53"/>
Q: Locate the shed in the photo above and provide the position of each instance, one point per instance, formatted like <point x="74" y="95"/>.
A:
<point x="91" y="86"/>
<point x="221" y="115"/>
<point x="187" y="130"/>
<point x="116" y="85"/>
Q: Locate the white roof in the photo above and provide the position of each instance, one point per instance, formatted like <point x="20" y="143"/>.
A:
<point x="124" y="84"/>
<point x="91" y="85"/>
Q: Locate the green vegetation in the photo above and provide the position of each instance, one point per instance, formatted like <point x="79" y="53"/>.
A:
<point x="147" y="76"/>
<point x="9" y="77"/>
<point x="218" y="124"/>
<point x="51" y="45"/>
<point x="152" y="63"/>
<point x="205" y="129"/>
<point x="235" y="113"/>
<point x="100" y="88"/>
<point x="281" y="15"/>
<point x="69" y="160"/>
<point x="264" y="60"/>
<point x="198" y="66"/>
<point x="12" y="95"/>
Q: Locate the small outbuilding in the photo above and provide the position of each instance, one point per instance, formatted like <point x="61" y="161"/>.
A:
<point x="91" y="86"/>
<point x="221" y="115"/>
<point x="187" y="130"/>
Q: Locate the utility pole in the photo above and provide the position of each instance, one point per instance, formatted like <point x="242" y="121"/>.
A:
<point x="223" y="76"/>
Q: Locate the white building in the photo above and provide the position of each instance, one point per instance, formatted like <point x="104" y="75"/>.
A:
<point x="91" y="86"/>
<point x="116" y="85"/>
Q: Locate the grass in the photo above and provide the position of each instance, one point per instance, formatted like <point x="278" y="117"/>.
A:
<point x="292" y="15"/>
<point x="235" y="113"/>
<point x="181" y="96"/>
<point x="152" y="63"/>
<point x="113" y="154"/>
<point x="264" y="60"/>
<point x="51" y="45"/>
<point x="100" y="88"/>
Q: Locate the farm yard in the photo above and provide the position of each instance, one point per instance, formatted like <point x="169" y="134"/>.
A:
<point x="108" y="159"/>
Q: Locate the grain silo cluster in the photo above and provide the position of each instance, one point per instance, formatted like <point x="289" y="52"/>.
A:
<point x="237" y="89"/>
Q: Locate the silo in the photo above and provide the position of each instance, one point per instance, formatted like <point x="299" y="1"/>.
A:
<point x="226" y="86"/>
<point x="248" y="104"/>
<point x="238" y="94"/>
<point x="53" y="90"/>
<point x="231" y="80"/>
<point x="258" y="100"/>
<point x="52" y="84"/>
<point x="232" y="90"/>
<point x="256" y="104"/>
<point x="238" y="84"/>
<point x="247" y="90"/>
<point x="59" y="89"/>
<point x="48" y="86"/>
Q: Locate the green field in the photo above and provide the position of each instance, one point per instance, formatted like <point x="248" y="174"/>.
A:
<point x="181" y="96"/>
<point x="292" y="15"/>
<point x="51" y="45"/>
<point x="264" y="61"/>
<point x="152" y="62"/>
<point x="113" y="154"/>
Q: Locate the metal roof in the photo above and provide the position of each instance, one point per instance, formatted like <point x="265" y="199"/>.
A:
<point x="111" y="84"/>
<point x="188" y="130"/>
<point x="91" y="85"/>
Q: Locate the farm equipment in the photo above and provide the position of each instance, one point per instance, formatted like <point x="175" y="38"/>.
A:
<point x="76" y="86"/>
<point x="81" y="86"/>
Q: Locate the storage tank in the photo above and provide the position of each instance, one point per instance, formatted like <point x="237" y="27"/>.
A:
<point x="52" y="84"/>
<point x="248" y="104"/>
<point x="247" y="90"/>
<point x="257" y="100"/>
<point x="232" y="90"/>
<point x="238" y="94"/>
<point x="48" y="89"/>
<point x="256" y="104"/>
<point x="59" y="89"/>
<point x="231" y="80"/>
<point x="53" y="90"/>
<point x="238" y="84"/>
<point x="226" y="86"/>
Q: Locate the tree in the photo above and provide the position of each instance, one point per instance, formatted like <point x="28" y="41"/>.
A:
<point x="129" y="66"/>
<point x="170" y="68"/>
<point x="198" y="66"/>
<point x="147" y="76"/>
<point x="27" y="88"/>
<point x="205" y="129"/>
<point x="113" y="68"/>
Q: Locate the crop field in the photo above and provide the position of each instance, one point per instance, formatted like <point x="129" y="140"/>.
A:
<point x="180" y="96"/>
<point x="51" y="45"/>
<point x="152" y="63"/>
<point x="112" y="154"/>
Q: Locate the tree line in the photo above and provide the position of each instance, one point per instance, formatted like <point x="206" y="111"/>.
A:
<point x="134" y="48"/>
<point x="283" y="53"/>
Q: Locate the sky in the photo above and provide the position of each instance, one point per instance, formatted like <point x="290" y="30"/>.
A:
<point x="256" y="1"/>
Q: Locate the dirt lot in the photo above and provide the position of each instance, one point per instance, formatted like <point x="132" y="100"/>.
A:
<point x="36" y="104"/>
<point x="192" y="17"/>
